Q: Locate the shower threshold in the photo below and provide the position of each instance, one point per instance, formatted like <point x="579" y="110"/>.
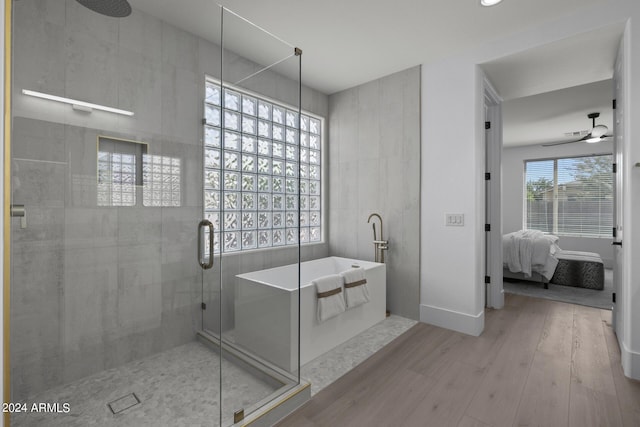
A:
<point x="290" y="392"/>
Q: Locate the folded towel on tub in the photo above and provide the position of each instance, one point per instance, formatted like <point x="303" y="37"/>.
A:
<point x="330" y="298"/>
<point x="355" y="287"/>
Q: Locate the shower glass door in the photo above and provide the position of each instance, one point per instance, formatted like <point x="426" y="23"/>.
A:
<point x="106" y="283"/>
<point x="155" y="160"/>
<point x="251" y="198"/>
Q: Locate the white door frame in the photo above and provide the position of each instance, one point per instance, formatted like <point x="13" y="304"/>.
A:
<point x="493" y="204"/>
<point x="619" y="122"/>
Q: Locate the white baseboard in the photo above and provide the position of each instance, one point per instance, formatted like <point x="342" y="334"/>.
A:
<point x="630" y="362"/>
<point x="466" y="323"/>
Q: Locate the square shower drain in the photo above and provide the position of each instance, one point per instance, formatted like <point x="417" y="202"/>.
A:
<point x="123" y="403"/>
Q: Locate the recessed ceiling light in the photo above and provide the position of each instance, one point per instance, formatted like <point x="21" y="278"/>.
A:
<point x="489" y="2"/>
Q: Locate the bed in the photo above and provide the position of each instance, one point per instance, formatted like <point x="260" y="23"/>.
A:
<point x="527" y="252"/>
<point x="534" y="256"/>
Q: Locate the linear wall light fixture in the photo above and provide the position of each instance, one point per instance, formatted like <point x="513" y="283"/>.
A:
<point x="80" y="105"/>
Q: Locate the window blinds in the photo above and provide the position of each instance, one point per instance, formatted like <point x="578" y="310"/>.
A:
<point x="570" y="196"/>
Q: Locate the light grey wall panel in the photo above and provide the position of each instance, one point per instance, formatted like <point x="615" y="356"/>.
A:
<point x="374" y="166"/>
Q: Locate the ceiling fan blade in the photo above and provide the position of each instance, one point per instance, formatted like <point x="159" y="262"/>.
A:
<point x="583" y="139"/>
<point x="551" y="144"/>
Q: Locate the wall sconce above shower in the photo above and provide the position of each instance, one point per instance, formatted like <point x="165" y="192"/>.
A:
<point x="77" y="105"/>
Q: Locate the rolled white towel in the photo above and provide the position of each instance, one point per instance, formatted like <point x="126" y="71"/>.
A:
<point x="330" y="297"/>
<point x="355" y="287"/>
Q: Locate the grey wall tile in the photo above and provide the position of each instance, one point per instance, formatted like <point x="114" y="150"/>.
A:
<point x="142" y="34"/>
<point x="209" y="58"/>
<point x="81" y="20"/>
<point x="42" y="31"/>
<point x="369" y="132"/>
<point x="179" y="48"/>
<point x="140" y="89"/>
<point x="376" y="127"/>
<point x="181" y="99"/>
<point x="38" y="140"/>
<point x="90" y="60"/>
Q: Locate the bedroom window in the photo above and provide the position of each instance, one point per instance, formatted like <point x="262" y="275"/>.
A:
<point x="570" y="196"/>
<point x="256" y="157"/>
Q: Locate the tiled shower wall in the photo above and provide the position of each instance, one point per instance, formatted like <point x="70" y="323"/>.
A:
<point x="374" y="158"/>
<point x="94" y="287"/>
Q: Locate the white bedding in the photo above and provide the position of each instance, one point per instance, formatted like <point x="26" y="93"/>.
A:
<point x="526" y="251"/>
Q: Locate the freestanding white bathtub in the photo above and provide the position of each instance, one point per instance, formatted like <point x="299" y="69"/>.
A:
<point x="266" y="315"/>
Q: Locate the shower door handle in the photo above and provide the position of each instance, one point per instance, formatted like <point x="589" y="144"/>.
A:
<point x="205" y="265"/>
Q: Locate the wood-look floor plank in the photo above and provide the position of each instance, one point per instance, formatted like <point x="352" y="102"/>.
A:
<point x="300" y="421"/>
<point x="557" y="333"/>
<point x="545" y="399"/>
<point x="591" y="365"/>
<point x="467" y="421"/>
<point x="391" y="404"/>
<point x="338" y="400"/>
<point x="481" y="351"/>
<point x="520" y="364"/>
<point x="514" y="302"/>
<point x="590" y="408"/>
<point x="499" y="394"/>
<point x="627" y="390"/>
<point x="445" y="404"/>
<point x="434" y="363"/>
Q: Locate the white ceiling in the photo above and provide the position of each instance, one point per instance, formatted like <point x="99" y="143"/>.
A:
<point x="549" y="90"/>
<point x="546" y="117"/>
<point x="585" y="58"/>
<point x="347" y="43"/>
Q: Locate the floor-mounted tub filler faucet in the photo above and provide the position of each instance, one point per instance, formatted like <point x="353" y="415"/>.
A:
<point x="379" y="244"/>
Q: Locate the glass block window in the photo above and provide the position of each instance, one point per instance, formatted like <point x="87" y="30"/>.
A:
<point x="161" y="180"/>
<point x="119" y="171"/>
<point x="126" y="171"/>
<point x="116" y="179"/>
<point x="262" y="173"/>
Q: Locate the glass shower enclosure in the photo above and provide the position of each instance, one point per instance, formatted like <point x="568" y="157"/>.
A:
<point x="154" y="158"/>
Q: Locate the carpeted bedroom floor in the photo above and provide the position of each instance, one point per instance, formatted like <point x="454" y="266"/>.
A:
<point x="581" y="296"/>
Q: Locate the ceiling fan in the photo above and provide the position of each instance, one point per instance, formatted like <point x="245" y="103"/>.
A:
<point x="598" y="133"/>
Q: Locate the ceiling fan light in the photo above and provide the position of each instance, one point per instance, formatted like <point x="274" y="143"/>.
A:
<point x="593" y="139"/>
<point x="599" y="131"/>
<point x="489" y="2"/>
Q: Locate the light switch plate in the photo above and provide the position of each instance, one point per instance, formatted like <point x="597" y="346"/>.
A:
<point x="454" y="219"/>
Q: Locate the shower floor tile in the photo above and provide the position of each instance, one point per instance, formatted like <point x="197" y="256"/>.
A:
<point x="178" y="387"/>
